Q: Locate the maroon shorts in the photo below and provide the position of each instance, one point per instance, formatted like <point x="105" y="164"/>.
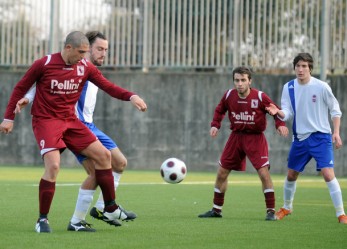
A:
<point x="59" y="134"/>
<point x="240" y="145"/>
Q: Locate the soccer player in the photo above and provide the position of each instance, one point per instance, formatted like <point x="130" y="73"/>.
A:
<point x="247" y="115"/>
<point x="60" y="78"/>
<point x="84" y="110"/>
<point x="308" y="102"/>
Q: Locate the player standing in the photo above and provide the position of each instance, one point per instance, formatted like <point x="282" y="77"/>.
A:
<point x="60" y="78"/>
<point x="308" y="102"/>
<point x="247" y="115"/>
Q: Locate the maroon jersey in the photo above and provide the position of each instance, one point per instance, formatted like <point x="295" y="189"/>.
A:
<point x="245" y="114"/>
<point x="58" y="87"/>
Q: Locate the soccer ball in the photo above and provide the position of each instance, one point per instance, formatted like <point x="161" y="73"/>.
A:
<point x="173" y="170"/>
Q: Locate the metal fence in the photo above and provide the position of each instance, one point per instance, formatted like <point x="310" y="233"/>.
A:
<point x="182" y="34"/>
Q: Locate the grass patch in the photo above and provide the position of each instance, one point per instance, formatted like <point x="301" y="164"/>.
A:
<point x="167" y="214"/>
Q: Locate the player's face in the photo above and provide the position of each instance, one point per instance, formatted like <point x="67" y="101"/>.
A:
<point x="98" y="51"/>
<point x="75" y="55"/>
<point x="242" y="84"/>
<point x="303" y="72"/>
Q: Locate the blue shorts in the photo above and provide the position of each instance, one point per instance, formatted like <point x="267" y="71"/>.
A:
<point x="104" y="139"/>
<point x="318" y="146"/>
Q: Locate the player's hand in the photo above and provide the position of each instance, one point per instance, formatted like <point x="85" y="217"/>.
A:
<point x="337" y="141"/>
<point x="283" y="131"/>
<point x="213" y="132"/>
<point x="272" y="109"/>
<point x="138" y="103"/>
<point x="21" y="104"/>
<point x="6" y="126"/>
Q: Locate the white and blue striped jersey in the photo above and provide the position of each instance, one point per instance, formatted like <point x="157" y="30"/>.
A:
<point x="86" y="103"/>
<point x="314" y="102"/>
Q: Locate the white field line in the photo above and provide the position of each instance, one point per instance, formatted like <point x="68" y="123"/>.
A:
<point x="198" y="182"/>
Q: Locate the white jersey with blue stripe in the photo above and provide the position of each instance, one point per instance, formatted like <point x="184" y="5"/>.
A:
<point x="314" y="102"/>
<point x="86" y="104"/>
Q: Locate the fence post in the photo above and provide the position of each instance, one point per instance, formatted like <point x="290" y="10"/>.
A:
<point x="54" y="27"/>
<point x="324" y="37"/>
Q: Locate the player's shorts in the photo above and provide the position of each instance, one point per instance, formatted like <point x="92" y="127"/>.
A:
<point x="240" y="145"/>
<point x="318" y="146"/>
<point x="59" y="134"/>
<point x="104" y="139"/>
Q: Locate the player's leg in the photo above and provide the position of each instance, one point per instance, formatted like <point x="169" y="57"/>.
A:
<point x="232" y="158"/>
<point x="84" y="198"/>
<point x="335" y="193"/>
<point x="289" y="189"/>
<point x="119" y="162"/>
<point x="47" y="189"/>
<point x="104" y="178"/>
<point x="322" y="151"/>
<point x="269" y="192"/>
<point x="48" y="135"/>
<point x="80" y="140"/>
<point x="221" y="185"/>
<point x="298" y="157"/>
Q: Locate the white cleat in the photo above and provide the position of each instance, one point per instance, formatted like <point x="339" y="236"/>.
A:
<point x="118" y="214"/>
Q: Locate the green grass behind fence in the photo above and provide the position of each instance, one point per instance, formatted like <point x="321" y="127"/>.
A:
<point x="167" y="214"/>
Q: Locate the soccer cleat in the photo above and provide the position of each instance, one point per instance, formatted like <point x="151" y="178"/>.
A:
<point x="210" y="214"/>
<point x="280" y="214"/>
<point x="270" y="215"/>
<point x="42" y="226"/>
<point x="97" y="214"/>
<point x="130" y="215"/>
<point x="343" y="219"/>
<point x="117" y="214"/>
<point x="81" y="226"/>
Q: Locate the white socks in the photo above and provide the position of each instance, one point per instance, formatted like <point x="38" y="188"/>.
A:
<point x="84" y="200"/>
<point x="336" y="196"/>
<point x="289" y="189"/>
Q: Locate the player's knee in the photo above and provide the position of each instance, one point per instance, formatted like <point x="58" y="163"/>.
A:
<point x="119" y="165"/>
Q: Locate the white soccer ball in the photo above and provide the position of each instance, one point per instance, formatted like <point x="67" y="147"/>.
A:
<point x="173" y="170"/>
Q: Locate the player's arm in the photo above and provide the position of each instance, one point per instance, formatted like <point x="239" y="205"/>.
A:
<point x="276" y="112"/>
<point x="28" y="98"/>
<point x="138" y="102"/>
<point x="95" y="76"/>
<point x="273" y="110"/>
<point x="6" y="126"/>
<point x="336" y="133"/>
<point x="218" y="116"/>
<point x="22" y="87"/>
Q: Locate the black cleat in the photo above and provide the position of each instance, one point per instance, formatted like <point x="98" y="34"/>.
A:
<point x="210" y="214"/>
<point x="42" y="226"/>
<point x="97" y="214"/>
<point x="270" y="215"/>
<point x="81" y="226"/>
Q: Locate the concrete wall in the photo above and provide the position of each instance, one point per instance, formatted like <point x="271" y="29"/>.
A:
<point x="177" y="123"/>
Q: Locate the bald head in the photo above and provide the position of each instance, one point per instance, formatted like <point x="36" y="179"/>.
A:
<point x="76" y="39"/>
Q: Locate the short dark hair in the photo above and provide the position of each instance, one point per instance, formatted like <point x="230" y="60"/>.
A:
<point x="92" y="35"/>
<point x="303" y="57"/>
<point x="243" y="70"/>
<point x="76" y="39"/>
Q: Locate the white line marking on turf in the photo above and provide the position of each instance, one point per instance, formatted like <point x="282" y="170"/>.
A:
<point x="196" y="182"/>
